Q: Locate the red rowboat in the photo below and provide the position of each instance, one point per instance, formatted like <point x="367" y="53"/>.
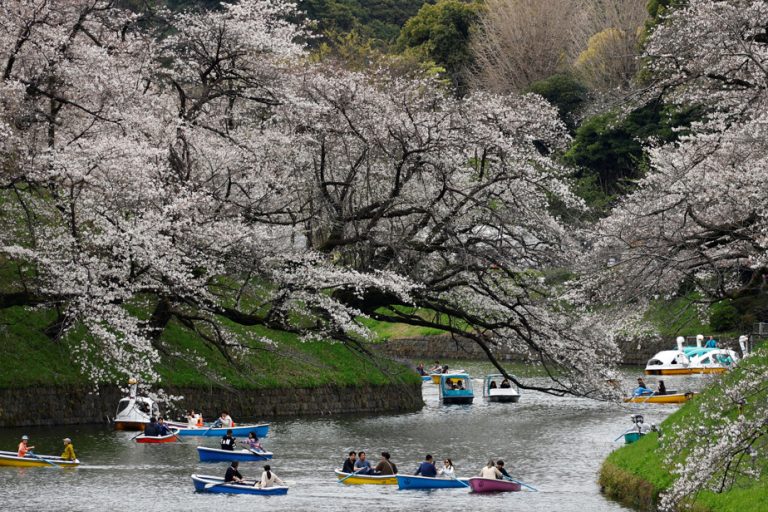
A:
<point x="170" y="438"/>
<point x="493" y="485"/>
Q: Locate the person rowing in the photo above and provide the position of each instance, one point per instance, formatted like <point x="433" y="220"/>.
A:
<point x="427" y="468"/>
<point x="500" y="467"/>
<point x="233" y="476"/>
<point x="151" y="429"/>
<point x="363" y="465"/>
<point x="24" y="446"/>
<point x="228" y="441"/>
<point x="162" y="428"/>
<point x="385" y="466"/>
<point x="349" y="462"/>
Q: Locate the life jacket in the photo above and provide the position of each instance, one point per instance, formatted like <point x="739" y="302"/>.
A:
<point x="200" y="420"/>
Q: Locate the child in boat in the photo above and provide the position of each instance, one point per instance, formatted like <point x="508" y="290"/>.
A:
<point x="69" y="450"/>
<point x="24" y="446"/>
<point x="253" y="442"/>
<point x="268" y="478"/>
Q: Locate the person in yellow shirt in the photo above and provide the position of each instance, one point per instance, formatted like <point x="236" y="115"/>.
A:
<point x="69" y="450"/>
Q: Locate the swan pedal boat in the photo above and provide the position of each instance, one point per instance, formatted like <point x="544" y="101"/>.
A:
<point x="366" y="479"/>
<point x="169" y="438"/>
<point x="13" y="459"/>
<point x="479" y="484"/>
<point x="260" y="430"/>
<point x="427" y="482"/>
<point x="669" y="398"/>
<point x="215" y="484"/>
<point x="218" y="455"/>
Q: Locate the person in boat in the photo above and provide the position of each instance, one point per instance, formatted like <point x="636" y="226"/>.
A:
<point x="711" y="343"/>
<point x="437" y="368"/>
<point x="493" y="385"/>
<point x="151" y="429"/>
<point x="228" y="441"/>
<point x="641" y="388"/>
<point x="445" y="368"/>
<point x="194" y="420"/>
<point x="505" y="384"/>
<point x="662" y="390"/>
<point x="69" y="450"/>
<point x="385" y="466"/>
<point x="363" y="465"/>
<point x="349" y="462"/>
<point x="233" y="475"/>
<point x="24" y="446"/>
<point x="447" y="469"/>
<point x="252" y="443"/>
<point x="420" y="369"/>
<point x="427" y="468"/>
<point x="268" y="478"/>
<point x="224" y="421"/>
<point x="162" y="428"/>
<point x="500" y="467"/>
<point x="491" y="471"/>
<point x="460" y="385"/>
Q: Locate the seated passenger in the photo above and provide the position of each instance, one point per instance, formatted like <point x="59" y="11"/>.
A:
<point x="385" y="466"/>
<point x="252" y="443"/>
<point x="493" y="385"/>
<point x="505" y="384"/>
<point x="460" y="385"/>
<point x="490" y="471"/>
<point x="363" y="465"/>
<point x="662" y="390"/>
<point x="151" y="428"/>
<point x="349" y="463"/>
<point x="268" y="478"/>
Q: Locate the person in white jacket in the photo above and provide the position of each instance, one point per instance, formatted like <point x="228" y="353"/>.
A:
<point x="447" y="469"/>
<point x="490" y="471"/>
<point x="269" y="479"/>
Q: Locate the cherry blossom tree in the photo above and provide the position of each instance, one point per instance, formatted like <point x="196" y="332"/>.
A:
<point x="699" y="216"/>
<point x="197" y="168"/>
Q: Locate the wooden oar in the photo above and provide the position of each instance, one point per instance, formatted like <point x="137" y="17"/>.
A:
<point x="622" y="435"/>
<point x="521" y="483"/>
<point x="351" y="474"/>
<point x="33" y="455"/>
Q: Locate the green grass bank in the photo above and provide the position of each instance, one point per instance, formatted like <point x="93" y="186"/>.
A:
<point x="637" y="474"/>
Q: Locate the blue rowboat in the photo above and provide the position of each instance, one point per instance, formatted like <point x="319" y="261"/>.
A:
<point x="425" y="482"/>
<point x="218" y="455"/>
<point x="241" y="431"/>
<point x="205" y="483"/>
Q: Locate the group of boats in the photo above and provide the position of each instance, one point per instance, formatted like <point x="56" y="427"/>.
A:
<point x="457" y="387"/>
<point x="407" y="482"/>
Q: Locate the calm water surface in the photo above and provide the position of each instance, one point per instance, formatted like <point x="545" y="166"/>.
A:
<point x="554" y="444"/>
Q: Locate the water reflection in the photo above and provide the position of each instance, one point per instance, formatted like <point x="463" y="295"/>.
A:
<point x="555" y="444"/>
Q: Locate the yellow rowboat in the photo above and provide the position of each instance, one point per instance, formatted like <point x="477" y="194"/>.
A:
<point x="366" y="479"/>
<point x="436" y="376"/>
<point x="38" y="461"/>
<point x="674" y="398"/>
<point x="686" y="371"/>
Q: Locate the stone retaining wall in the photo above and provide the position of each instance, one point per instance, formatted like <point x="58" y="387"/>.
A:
<point x="636" y="351"/>
<point x="50" y="405"/>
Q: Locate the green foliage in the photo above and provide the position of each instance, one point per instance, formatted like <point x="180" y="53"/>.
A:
<point x="564" y="92"/>
<point x="676" y="317"/>
<point x="608" y="149"/>
<point x="441" y="32"/>
<point x="723" y="316"/>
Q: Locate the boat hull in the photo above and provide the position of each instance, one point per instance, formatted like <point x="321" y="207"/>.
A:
<point x="11" y="459"/>
<point x="685" y="371"/>
<point x="479" y="484"/>
<point x="424" y="482"/>
<point x="205" y="483"/>
<point x="261" y="430"/>
<point x="632" y="437"/>
<point x="504" y="398"/>
<point x="216" y="455"/>
<point x="366" y="479"/>
<point x="170" y="438"/>
<point x="676" y="398"/>
<point x="458" y="400"/>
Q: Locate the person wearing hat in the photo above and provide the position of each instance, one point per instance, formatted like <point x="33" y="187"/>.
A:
<point x="69" y="450"/>
<point x="24" y="446"/>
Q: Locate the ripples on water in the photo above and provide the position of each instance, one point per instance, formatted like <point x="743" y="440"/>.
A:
<point x="555" y="444"/>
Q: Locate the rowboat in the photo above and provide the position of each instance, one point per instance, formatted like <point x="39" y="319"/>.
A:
<point x="426" y="482"/>
<point x="218" y="455"/>
<point x="205" y="483"/>
<point x="260" y="430"/>
<point x="479" y="484"/>
<point x="456" y="388"/>
<point x="169" y="438"/>
<point x="632" y="436"/>
<point x="133" y="412"/>
<point x="36" y="461"/>
<point x="494" y="391"/>
<point x="366" y="479"/>
<point x="673" y="398"/>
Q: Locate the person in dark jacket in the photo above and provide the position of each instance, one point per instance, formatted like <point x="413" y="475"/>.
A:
<point x="151" y="428"/>
<point x="349" y="463"/>
<point x="385" y="466"/>
<point x="500" y="467"/>
<point x="227" y="441"/>
<point x="427" y="468"/>
<point x="233" y="475"/>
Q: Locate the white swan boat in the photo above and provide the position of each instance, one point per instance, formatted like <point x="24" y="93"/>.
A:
<point x="133" y="412"/>
<point x="690" y="360"/>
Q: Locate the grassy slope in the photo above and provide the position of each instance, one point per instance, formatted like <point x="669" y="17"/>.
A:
<point x="31" y="358"/>
<point x="637" y="474"/>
